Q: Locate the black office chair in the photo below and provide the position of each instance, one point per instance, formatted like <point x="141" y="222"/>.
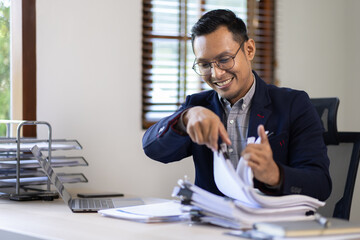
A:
<point x="327" y="109"/>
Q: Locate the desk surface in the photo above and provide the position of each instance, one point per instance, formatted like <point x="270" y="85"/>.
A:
<point x="54" y="220"/>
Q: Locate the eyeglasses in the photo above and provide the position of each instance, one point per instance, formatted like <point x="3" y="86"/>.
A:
<point x="224" y="63"/>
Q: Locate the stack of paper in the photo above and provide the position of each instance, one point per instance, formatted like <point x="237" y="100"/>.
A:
<point x="243" y="204"/>
<point x="168" y="211"/>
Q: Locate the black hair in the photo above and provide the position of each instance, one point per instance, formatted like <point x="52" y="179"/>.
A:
<point x="212" y="20"/>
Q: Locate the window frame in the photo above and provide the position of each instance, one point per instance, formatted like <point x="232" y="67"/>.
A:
<point x="29" y="64"/>
<point x="23" y="63"/>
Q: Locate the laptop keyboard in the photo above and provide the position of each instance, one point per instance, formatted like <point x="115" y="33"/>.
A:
<point x="95" y="203"/>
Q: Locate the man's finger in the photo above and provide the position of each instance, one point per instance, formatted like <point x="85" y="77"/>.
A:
<point x="224" y="135"/>
<point x="262" y="134"/>
<point x="195" y="134"/>
<point x="213" y="139"/>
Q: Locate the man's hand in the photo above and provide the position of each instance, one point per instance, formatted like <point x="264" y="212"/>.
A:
<point x="260" y="160"/>
<point x="205" y="127"/>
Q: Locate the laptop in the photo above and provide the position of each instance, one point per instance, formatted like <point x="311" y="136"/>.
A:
<point x="81" y="204"/>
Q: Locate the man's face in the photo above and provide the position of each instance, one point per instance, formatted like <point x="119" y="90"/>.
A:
<point x="230" y="84"/>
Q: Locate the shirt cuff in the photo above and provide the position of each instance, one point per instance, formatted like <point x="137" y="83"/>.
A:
<point x="271" y="190"/>
<point x="179" y="126"/>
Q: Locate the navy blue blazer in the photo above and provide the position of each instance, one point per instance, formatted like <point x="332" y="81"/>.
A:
<point x="297" y="140"/>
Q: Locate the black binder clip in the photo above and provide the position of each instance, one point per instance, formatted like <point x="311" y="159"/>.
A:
<point x="223" y="149"/>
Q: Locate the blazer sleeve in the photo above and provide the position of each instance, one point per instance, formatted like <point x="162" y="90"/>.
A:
<point x="308" y="168"/>
<point x="162" y="142"/>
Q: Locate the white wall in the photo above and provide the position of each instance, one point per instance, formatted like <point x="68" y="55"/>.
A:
<point x="89" y="89"/>
<point x="89" y="80"/>
<point x="317" y="46"/>
<point x="351" y="42"/>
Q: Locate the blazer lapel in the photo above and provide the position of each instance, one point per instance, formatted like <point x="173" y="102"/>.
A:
<point x="215" y="105"/>
<point x="259" y="114"/>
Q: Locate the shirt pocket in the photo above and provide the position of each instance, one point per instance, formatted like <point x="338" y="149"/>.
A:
<point x="279" y="146"/>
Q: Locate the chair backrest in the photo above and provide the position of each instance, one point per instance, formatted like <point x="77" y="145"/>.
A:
<point x="327" y="109"/>
<point x="343" y="206"/>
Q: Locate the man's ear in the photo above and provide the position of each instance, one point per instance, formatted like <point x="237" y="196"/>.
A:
<point x="250" y="49"/>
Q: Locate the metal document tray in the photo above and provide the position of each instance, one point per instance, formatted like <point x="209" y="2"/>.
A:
<point x="20" y="175"/>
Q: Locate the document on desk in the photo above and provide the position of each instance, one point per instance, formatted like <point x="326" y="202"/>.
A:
<point x="243" y="205"/>
<point x="149" y="213"/>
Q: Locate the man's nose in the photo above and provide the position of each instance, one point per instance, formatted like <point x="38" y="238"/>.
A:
<point x="216" y="72"/>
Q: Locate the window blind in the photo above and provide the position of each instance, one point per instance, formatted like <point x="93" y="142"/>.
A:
<point x="167" y="57"/>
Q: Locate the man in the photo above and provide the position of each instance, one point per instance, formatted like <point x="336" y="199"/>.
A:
<point x="292" y="160"/>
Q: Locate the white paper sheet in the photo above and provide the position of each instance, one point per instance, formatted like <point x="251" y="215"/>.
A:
<point x="239" y="185"/>
<point x="157" y="212"/>
<point x="228" y="181"/>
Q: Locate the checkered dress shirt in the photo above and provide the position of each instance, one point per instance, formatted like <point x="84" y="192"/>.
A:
<point x="236" y="122"/>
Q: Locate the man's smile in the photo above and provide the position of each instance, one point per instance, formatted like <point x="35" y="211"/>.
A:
<point x="222" y="84"/>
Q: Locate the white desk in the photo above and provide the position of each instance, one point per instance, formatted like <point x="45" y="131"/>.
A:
<point x="54" y="220"/>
